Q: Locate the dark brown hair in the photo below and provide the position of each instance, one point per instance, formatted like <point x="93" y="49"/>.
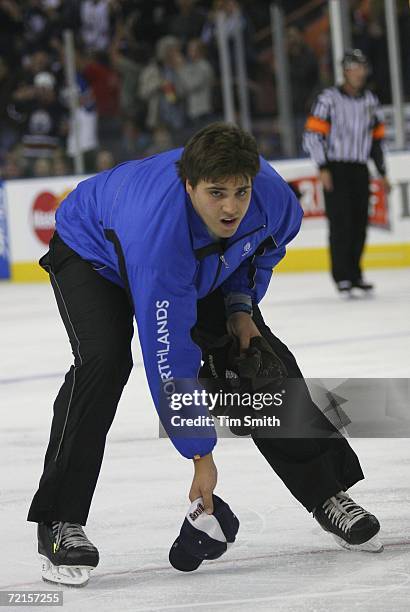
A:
<point x="219" y="151"/>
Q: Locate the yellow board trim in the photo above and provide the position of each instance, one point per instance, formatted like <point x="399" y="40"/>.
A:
<point x="317" y="259"/>
<point x="296" y="260"/>
<point x="27" y="272"/>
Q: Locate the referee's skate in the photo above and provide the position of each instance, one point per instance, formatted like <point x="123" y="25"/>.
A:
<point x="67" y="555"/>
<point x="353" y="527"/>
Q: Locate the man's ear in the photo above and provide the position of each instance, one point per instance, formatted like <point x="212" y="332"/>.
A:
<point x="188" y="187"/>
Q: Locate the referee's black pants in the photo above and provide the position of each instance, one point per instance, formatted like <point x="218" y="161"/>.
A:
<point x="99" y="322"/>
<point x="347" y="210"/>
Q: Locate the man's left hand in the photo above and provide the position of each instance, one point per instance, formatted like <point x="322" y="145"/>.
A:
<point x="241" y="325"/>
<point x="386" y="184"/>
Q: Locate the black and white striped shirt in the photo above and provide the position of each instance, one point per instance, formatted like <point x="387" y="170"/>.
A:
<point x="345" y="128"/>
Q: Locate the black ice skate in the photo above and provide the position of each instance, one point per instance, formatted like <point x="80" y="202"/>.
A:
<point x="351" y="526"/>
<point x="67" y="555"/>
<point x="363" y="287"/>
<point x="344" y="288"/>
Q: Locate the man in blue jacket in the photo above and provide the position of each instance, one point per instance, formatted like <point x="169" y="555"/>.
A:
<point x="185" y="241"/>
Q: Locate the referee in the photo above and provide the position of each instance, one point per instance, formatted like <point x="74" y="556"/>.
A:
<point x="344" y="129"/>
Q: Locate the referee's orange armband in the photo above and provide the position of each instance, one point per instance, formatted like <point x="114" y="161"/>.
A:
<point x="379" y="131"/>
<point x="314" y="124"/>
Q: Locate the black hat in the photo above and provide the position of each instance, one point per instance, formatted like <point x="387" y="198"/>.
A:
<point x="354" y="56"/>
<point x="203" y="536"/>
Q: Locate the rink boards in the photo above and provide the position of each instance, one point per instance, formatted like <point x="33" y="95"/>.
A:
<point x="27" y="214"/>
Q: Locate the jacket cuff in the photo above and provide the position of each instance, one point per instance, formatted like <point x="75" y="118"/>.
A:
<point x="238" y="302"/>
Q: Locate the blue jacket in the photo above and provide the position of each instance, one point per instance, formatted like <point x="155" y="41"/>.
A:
<point x="137" y="226"/>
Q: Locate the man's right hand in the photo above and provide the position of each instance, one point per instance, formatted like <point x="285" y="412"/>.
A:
<point x="204" y="481"/>
<point x="326" y="179"/>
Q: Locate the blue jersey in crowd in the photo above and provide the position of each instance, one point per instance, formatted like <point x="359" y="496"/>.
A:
<point x="136" y="225"/>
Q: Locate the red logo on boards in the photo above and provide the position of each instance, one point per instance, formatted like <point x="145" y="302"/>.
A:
<point x="43" y="214"/>
<point x="312" y="200"/>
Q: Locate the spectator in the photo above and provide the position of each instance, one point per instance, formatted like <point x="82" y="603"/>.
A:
<point x="134" y="140"/>
<point x="160" y="87"/>
<point x="41" y="117"/>
<point x="189" y="21"/>
<point x="105" y="160"/>
<point x="85" y="121"/>
<point x="304" y="71"/>
<point x="61" y="166"/>
<point x="234" y="15"/>
<point x="268" y="143"/>
<point x="304" y="79"/>
<point x="123" y="59"/>
<point x="136" y="90"/>
<point x="197" y="79"/>
<point x="11" y="29"/>
<point x="8" y="130"/>
<point x="379" y="60"/>
<point x="13" y="167"/>
<point x="39" y="61"/>
<point x="97" y="23"/>
<point x="317" y="36"/>
<point x="161" y="141"/>
<point x="105" y="84"/>
<point x="37" y="26"/>
<point x="42" y="167"/>
<point x="147" y="22"/>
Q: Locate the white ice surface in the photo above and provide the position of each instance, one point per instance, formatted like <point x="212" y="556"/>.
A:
<point x="282" y="559"/>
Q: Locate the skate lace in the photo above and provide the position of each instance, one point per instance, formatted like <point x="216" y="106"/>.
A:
<point x="70" y="535"/>
<point x="343" y="511"/>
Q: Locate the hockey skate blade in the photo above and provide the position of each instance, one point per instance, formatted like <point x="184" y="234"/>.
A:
<point x="374" y="545"/>
<point x="75" y="576"/>
<point x="357" y="293"/>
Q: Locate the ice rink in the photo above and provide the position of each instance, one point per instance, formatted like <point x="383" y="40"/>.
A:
<point x="282" y="559"/>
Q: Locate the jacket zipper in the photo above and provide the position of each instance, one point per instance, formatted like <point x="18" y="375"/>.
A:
<point x="218" y="270"/>
<point x="222" y="259"/>
<point x="245" y="235"/>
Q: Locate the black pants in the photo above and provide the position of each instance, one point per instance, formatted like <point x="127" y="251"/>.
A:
<point x="347" y="210"/>
<point x="99" y="321"/>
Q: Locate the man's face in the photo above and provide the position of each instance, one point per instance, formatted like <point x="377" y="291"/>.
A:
<point x="222" y="204"/>
<point x="356" y="75"/>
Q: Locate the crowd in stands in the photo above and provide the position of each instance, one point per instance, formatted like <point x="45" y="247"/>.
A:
<point x="148" y="74"/>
